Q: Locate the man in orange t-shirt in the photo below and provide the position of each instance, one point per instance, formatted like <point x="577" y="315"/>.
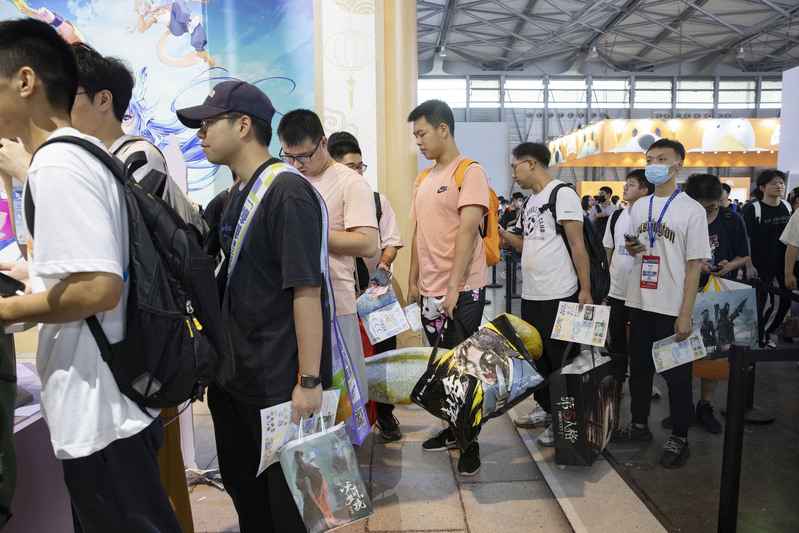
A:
<point x="448" y="271"/>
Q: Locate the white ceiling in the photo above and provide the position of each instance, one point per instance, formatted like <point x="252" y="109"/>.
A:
<point x="606" y="37"/>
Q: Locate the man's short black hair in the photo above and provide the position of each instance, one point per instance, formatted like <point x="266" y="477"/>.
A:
<point x="97" y="73"/>
<point x="757" y="193"/>
<point x="703" y="187"/>
<point x="299" y="126"/>
<point x="639" y="175"/>
<point x="342" y="136"/>
<point x="536" y="151"/>
<point x="31" y="43"/>
<point x="339" y="149"/>
<point x="614" y="199"/>
<point x="607" y="190"/>
<point x="435" y="112"/>
<point x="262" y="130"/>
<point x="518" y="196"/>
<point x="726" y="187"/>
<point x="767" y="175"/>
<point x="669" y="143"/>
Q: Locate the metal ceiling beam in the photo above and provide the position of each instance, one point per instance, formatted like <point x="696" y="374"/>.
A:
<point x="446" y="23"/>
<point x="499" y="28"/>
<point x="626" y="10"/>
<point x="668" y="30"/>
<point x="712" y="16"/>
<point x="776" y="8"/>
<point x="481" y="40"/>
<point x="523" y="17"/>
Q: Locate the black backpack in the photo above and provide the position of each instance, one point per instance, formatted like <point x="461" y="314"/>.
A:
<point x="361" y="272"/>
<point x="600" y="270"/>
<point x="173" y="342"/>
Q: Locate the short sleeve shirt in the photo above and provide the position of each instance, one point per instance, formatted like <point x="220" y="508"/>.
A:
<point x="388" y="233"/>
<point x="80" y="225"/>
<point x="436" y="207"/>
<point x="350" y="204"/>
<point x="548" y="272"/>
<point x="281" y="251"/>
<point x="621" y="262"/>
<point x="681" y="237"/>
<point x="768" y="253"/>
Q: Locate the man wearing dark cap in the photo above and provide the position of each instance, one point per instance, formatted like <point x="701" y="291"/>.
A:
<point x="274" y="302"/>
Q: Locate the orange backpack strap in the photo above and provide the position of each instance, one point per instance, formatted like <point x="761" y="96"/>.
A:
<point x="424" y="174"/>
<point x="460" y="172"/>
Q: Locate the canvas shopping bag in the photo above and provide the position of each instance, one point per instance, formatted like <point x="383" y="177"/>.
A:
<point x="726" y="312"/>
<point x="351" y="408"/>
<point x="481" y="378"/>
<point x="325" y="479"/>
<point x="586" y="397"/>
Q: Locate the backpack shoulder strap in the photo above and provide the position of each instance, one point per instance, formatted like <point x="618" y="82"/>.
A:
<point x="787" y="205"/>
<point x="460" y="172"/>
<point x="756" y="207"/>
<point x="613" y="219"/>
<point x="423" y="174"/>
<point x="378" y="207"/>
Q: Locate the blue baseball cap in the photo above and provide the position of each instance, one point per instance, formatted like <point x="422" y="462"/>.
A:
<point x="227" y="96"/>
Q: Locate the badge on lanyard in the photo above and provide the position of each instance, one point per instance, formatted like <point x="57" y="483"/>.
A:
<point x="650" y="264"/>
<point x="650" y="268"/>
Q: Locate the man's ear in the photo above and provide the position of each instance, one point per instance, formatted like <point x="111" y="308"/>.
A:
<point x="26" y="80"/>
<point x="443" y="130"/>
<point x="106" y="99"/>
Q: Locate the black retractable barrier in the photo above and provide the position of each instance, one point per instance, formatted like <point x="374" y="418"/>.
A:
<point x="512" y="258"/>
<point x="740" y="395"/>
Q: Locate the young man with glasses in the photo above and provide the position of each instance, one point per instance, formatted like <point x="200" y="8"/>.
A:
<point x="345" y="149"/>
<point x="353" y="224"/>
<point x="275" y="301"/>
<point x="550" y="274"/>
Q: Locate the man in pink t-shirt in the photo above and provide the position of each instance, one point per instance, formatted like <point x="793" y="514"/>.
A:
<point x="351" y="210"/>
<point x="448" y="264"/>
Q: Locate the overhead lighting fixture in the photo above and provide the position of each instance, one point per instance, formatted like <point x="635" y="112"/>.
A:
<point x="594" y="53"/>
<point x="442" y="51"/>
<point x="740" y="53"/>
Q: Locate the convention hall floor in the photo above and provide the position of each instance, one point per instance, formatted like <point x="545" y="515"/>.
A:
<point x="520" y="489"/>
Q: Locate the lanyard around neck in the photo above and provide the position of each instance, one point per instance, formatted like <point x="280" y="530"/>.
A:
<point x="660" y="219"/>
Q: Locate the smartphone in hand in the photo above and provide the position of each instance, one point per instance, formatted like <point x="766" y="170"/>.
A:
<point x="632" y="239"/>
<point x="9" y="286"/>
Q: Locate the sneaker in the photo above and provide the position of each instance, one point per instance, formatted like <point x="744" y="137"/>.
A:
<point x="547" y="438"/>
<point x="469" y="462"/>
<point x="706" y="417"/>
<point x="535" y="418"/>
<point x="632" y="432"/>
<point x="675" y="453"/>
<point x="768" y="343"/>
<point x="666" y="423"/>
<point x="389" y="428"/>
<point x="445" y="440"/>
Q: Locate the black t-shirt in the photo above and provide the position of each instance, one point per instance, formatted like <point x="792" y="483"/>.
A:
<point x="768" y="253"/>
<point x="280" y="251"/>
<point x="726" y="245"/>
<point x="213" y="211"/>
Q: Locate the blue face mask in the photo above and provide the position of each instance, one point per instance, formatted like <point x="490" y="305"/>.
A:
<point x="657" y="174"/>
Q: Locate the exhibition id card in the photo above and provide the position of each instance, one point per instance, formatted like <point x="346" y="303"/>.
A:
<point x="277" y="429"/>
<point x="668" y="354"/>
<point x="586" y="326"/>
<point x="650" y="269"/>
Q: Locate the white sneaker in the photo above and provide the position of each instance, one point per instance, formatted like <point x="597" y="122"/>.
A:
<point x="547" y="438"/>
<point x="535" y="418"/>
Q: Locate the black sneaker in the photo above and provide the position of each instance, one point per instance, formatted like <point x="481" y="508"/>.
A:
<point x="469" y="462"/>
<point x="675" y="453"/>
<point x="445" y="440"/>
<point x="704" y="413"/>
<point x="632" y="432"/>
<point x="389" y="428"/>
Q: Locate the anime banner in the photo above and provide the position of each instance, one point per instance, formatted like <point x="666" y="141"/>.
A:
<point x="177" y="50"/>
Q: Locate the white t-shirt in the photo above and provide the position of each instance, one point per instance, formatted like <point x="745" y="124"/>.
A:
<point x="80" y="226"/>
<point x="682" y="237"/>
<point x="548" y="272"/>
<point x="621" y="262"/>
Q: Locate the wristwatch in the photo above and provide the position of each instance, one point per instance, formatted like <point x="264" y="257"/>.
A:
<point x="308" y="382"/>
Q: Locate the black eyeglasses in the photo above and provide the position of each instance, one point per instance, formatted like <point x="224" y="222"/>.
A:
<point x="204" y="123"/>
<point x="513" y="167"/>
<point x="304" y="159"/>
<point x="359" y="167"/>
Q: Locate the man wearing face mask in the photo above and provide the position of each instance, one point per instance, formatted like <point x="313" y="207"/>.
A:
<point x="508" y="218"/>
<point x="672" y="242"/>
<point x="600" y="213"/>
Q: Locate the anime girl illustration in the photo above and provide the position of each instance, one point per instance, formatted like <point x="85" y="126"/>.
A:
<point x="65" y="28"/>
<point x="316" y="511"/>
<point x="179" y="20"/>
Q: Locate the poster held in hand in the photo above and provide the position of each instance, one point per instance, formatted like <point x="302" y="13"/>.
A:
<point x="668" y="353"/>
<point x="588" y="325"/>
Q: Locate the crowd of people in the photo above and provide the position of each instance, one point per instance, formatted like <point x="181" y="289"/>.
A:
<point x="309" y="213"/>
